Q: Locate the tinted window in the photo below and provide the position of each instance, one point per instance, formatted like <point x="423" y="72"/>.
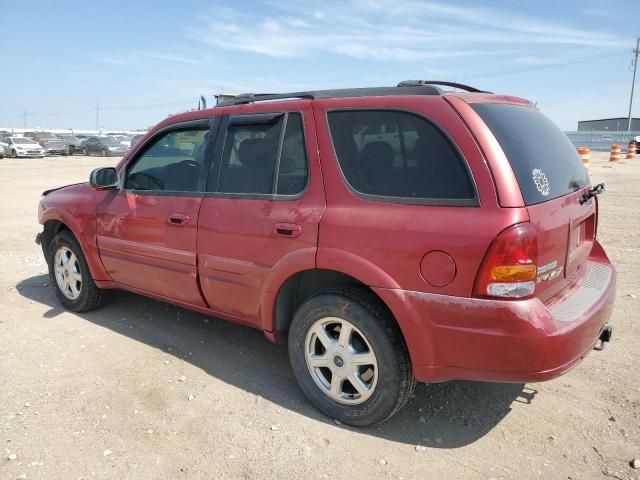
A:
<point x="172" y="162"/>
<point x="398" y="154"/>
<point x="250" y="157"/>
<point x="543" y="159"/>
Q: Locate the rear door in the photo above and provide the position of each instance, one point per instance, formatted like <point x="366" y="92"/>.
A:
<point x="552" y="180"/>
<point x="259" y="218"/>
<point x="147" y="230"/>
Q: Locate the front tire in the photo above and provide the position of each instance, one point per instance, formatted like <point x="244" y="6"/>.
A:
<point x="349" y="357"/>
<point x="70" y="276"/>
<point x="14" y="154"/>
<point x="103" y="152"/>
<point x="84" y="151"/>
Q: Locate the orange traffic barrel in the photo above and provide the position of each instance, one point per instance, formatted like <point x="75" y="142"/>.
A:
<point x="631" y="151"/>
<point x="584" y="153"/>
<point x="616" y="153"/>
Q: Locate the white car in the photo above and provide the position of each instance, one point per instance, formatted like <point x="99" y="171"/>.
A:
<point x="21" y="147"/>
<point x="123" y="139"/>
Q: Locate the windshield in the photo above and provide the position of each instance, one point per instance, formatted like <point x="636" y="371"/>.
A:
<point x="21" y="140"/>
<point x="543" y="159"/>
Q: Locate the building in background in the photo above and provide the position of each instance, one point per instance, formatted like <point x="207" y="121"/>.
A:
<point x="611" y="124"/>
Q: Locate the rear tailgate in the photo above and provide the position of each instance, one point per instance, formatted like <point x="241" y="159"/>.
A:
<point x="552" y="180"/>
<point x="566" y="231"/>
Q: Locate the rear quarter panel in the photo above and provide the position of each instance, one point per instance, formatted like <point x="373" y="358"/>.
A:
<point x="383" y="243"/>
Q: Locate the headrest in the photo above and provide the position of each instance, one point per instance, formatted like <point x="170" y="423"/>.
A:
<point x="251" y="152"/>
<point x="377" y="155"/>
<point x="287" y="164"/>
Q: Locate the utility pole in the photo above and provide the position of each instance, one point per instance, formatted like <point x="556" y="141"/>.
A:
<point x="97" y="117"/>
<point x="633" y="82"/>
<point x="25" y="118"/>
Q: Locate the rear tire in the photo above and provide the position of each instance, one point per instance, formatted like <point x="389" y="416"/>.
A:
<point x="69" y="275"/>
<point x="372" y="369"/>
<point x="84" y="151"/>
<point x="103" y="152"/>
<point x="14" y="154"/>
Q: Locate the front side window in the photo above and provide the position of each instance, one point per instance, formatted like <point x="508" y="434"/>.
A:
<point x="172" y="162"/>
<point x="398" y="154"/>
<point x="259" y="159"/>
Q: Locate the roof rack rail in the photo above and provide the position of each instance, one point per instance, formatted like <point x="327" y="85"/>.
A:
<point x="420" y="83"/>
<point x="244" y="98"/>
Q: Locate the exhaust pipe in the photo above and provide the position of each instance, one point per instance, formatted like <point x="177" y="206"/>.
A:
<point x="605" y="337"/>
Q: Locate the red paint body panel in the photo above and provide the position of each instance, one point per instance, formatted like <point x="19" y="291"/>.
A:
<point x="495" y="340"/>
<point x="228" y="259"/>
<point x="355" y="233"/>
<point x="240" y="252"/>
<point x="75" y="206"/>
<point x="506" y="184"/>
<point x="141" y="249"/>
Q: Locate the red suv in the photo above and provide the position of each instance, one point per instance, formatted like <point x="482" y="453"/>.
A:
<point x="391" y="234"/>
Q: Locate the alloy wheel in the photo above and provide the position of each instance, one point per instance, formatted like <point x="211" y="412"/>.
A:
<point x="341" y="361"/>
<point x="67" y="272"/>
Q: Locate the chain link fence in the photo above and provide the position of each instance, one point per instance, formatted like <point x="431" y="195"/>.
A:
<point x="601" y="140"/>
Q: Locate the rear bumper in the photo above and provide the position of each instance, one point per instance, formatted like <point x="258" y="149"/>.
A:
<point x="504" y="341"/>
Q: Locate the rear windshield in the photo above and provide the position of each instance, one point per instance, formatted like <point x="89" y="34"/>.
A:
<point x="543" y="159"/>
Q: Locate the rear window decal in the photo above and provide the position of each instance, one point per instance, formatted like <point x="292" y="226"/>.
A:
<point x="540" y="179"/>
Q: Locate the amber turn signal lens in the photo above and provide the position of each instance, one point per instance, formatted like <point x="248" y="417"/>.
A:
<point x="513" y="273"/>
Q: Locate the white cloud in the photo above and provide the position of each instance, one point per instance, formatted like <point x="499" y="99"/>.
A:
<point x="411" y="31"/>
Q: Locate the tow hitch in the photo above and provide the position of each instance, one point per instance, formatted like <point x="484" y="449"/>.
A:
<point x="605" y="337"/>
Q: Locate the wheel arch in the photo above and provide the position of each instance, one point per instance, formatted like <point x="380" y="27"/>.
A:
<point x="302" y="285"/>
<point x="54" y="225"/>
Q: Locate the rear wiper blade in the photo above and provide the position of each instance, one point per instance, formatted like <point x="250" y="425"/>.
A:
<point x="597" y="190"/>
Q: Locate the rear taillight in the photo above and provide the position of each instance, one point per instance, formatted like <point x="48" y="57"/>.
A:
<point x="509" y="266"/>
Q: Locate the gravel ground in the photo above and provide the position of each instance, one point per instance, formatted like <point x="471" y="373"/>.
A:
<point x="141" y="389"/>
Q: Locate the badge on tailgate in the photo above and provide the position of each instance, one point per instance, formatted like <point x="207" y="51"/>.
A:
<point x="548" y="272"/>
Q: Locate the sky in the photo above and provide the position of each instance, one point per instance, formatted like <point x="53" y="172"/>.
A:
<point x="141" y="61"/>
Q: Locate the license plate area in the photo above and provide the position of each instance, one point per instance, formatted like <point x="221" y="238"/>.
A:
<point x="581" y="234"/>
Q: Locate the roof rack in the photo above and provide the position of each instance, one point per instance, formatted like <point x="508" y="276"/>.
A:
<point x="407" y="87"/>
<point x="422" y="83"/>
<point x="262" y="97"/>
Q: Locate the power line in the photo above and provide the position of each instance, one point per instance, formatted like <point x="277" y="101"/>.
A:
<point x="116" y="108"/>
<point x="590" y="58"/>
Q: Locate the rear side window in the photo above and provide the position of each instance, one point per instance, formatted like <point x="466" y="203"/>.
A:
<point x="398" y="154"/>
<point x="543" y="159"/>
<point x="253" y="153"/>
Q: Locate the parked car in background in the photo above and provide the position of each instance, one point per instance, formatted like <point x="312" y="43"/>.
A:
<point x="51" y="143"/>
<point x="3" y="150"/>
<point x="21" y="147"/>
<point x="468" y="250"/>
<point x="123" y="139"/>
<point x="136" y="138"/>
<point x="74" y="144"/>
<point x="104" y="146"/>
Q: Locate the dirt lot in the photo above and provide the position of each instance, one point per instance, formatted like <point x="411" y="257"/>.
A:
<point x="140" y="389"/>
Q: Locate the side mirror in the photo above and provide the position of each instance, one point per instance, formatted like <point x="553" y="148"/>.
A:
<point x="104" y="178"/>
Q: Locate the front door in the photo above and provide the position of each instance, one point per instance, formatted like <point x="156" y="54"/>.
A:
<point x="146" y="231"/>
<point x="260" y="215"/>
